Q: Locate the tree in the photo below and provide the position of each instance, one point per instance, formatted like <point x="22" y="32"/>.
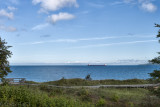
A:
<point x="4" y="55"/>
<point x="88" y="77"/>
<point x="156" y="73"/>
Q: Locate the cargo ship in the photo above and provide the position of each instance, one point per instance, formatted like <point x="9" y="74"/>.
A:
<point x="96" y="64"/>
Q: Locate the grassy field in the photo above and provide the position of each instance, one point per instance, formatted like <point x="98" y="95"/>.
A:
<point x="44" y="96"/>
<point x="107" y="97"/>
<point x="83" y="82"/>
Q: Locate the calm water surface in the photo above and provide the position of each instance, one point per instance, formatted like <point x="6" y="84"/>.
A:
<point x="51" y="73"/>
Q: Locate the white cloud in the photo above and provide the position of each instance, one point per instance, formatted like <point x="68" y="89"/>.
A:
<point x="40" y="26"/>
<point x="61" y="16"/>
<point x="11" y="8"/>
<point x="146" y="5"/>
<point x="119" y="43"/>
<point x="149" y="7"/>
<point x="4" y="13"/>
<point x="129" y="62"/>
<point x="53" y="5"/>
<point x="8" y="29"/>
<point x="86" y="39"/>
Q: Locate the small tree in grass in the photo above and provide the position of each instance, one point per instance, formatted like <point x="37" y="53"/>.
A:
<point x="4" y="55"/>
<point x="156" y="73"/>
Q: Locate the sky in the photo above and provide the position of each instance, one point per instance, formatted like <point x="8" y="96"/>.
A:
<point x="80" y="31"/>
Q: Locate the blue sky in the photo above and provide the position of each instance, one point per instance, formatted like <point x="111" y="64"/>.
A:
<point x="80" y="31"/>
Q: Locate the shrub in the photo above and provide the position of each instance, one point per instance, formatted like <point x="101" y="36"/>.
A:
<point x="115" y="98"/>
<point x="101" y="103"/>
<point x="44" y="88"/>
<point x="88" y="77"/>
<point x="130" y="104"/>
<point x="58" y="90"/>
<point x="22" y="96"/>
<point x="84" y="94"/>
<point x="4" y="82"/>
<point x="157" y="92"/>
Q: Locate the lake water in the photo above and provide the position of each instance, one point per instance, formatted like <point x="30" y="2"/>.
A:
<point x="51" y="73"/>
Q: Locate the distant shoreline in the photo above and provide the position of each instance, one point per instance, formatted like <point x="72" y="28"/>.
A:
<point x="77" y="64"/>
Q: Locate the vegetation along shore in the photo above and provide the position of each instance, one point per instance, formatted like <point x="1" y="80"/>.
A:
<point x="43" y="95"/>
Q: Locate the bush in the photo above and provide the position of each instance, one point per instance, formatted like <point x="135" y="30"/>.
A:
<point x="84" y="94"/>
<point x="44" y="88"/>
<point x="130" y="104"/>
<point x="22" y="96"/>
<point x="4" y="82"/>
<point x="157" y="92"/>
<point x="115" y="98"/>
<point x="101" y="103"/>
<point x="88" y="77"/>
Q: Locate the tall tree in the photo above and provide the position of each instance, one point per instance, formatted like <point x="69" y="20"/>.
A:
<point x="156" y="73"/>
<point x="4" y="55"/>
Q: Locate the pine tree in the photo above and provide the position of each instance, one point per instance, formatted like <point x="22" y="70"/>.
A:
<point x="156" y="73"/>
<point x="4" y="55"/>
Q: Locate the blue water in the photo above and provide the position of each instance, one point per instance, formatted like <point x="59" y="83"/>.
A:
<point x="51" y="73"/>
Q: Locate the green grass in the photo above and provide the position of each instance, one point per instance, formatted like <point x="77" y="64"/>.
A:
<point x="122" y="97"/>
<point x="31" y="82"/>
<point x="44" y="96"/>
<point x="23" y="96"/>
<point x="82" y="82"/>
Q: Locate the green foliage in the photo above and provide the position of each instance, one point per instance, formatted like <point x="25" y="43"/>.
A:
<point x="88" y="77"/>
<point x="31" y="82"/>
<point x="4" y="82"/>
<point x="157" y="25"/>
<point x="115" y="98"/>
<point x="22" y="96"/>
<point x="83" y="82"/>
<point x="131" y="104"/>
<point x="157" y="92"/>
<point x="101" y="103"/>
<point x="156" y="73"/>
<point x="44" y="88"/>
<point x="43" y="96"/>
<point x="4" y="55"/>
<point x="157" y="59"/>
<point x="84" y="94"/>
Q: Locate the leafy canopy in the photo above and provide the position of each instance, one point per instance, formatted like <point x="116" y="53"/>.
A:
<point x="4" y="55"/>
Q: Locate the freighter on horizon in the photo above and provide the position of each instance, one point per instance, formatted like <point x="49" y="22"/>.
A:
<point x="96" y="64"/>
